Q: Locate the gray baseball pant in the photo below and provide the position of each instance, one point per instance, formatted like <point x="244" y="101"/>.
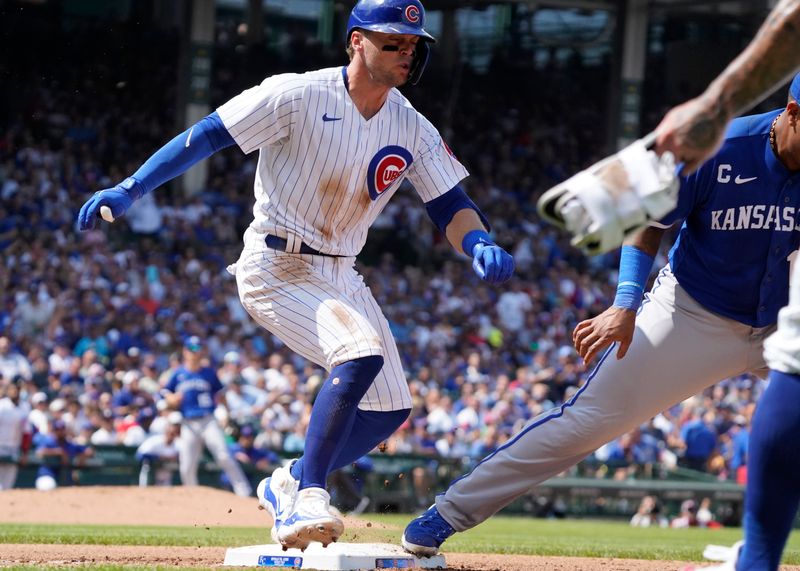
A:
<point x="679" y="348"/>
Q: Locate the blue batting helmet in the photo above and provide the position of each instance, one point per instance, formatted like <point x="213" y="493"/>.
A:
<point x="389" y="17"/>
<point x="395" y="17"/>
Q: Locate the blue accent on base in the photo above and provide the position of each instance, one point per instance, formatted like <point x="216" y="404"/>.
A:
<point x="773" y="474"/>
<point x="279" y="561"/>
<point x="333" y="416"/>
<point x="428" y="530"/>
<point x="394" y="563"/>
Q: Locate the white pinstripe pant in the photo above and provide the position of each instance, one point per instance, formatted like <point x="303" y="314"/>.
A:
<point x="320" y="308"/>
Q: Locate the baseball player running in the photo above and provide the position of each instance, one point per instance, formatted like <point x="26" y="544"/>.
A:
<point x="193" y="389"/>
<point x="334" y="145"/>
<point x="704" y="320"/>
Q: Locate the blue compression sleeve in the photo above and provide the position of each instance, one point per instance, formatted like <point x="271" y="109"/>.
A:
<point x="634" y="267"/>
<point x="200" y="141"/>
<point x="442" y="208"/>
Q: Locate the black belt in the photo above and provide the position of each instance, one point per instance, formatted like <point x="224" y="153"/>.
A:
<point x="278" y="243"/>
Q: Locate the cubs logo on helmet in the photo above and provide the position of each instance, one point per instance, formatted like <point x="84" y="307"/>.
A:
<point x="386" y="168"/>
<point x="389" y="17"/>
<point x="412" y="13"/>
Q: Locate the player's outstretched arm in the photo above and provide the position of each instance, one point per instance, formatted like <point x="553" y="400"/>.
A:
<point x="616" y="324"/>
<point x="466" y="229"/>
<point x="693" y="131"/>
<point x="202" y="140"/>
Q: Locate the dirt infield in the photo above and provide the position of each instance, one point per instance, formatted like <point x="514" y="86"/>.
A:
<point x="182" y="506"/>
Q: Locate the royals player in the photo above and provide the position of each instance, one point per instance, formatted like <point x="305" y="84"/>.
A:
<point x="704" y="320"/>
<point x="193" y="389"/>
<point x="334" y="146"/>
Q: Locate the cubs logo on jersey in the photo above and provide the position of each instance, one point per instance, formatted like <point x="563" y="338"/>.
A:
<point x="385" y="168"/>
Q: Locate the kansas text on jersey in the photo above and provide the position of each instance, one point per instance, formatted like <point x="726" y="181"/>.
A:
<point x="741" y="227"/>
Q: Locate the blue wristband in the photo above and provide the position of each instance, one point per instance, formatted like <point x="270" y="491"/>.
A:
<point x="634" y="268"/>
<point x="472" y="239"/>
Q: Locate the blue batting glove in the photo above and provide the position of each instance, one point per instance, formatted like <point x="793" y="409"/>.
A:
<point x="118" y="199"/>
<point x="492" y="263"/>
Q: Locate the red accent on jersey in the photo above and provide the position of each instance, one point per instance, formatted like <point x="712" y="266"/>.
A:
<point x="388" y="170"/>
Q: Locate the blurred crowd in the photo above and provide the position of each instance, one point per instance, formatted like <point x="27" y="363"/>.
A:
<point x="91" y="323"/>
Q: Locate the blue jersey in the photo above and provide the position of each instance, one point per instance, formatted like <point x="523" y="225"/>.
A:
<point x="741" y="214"/>
<point x="198" y="389"/>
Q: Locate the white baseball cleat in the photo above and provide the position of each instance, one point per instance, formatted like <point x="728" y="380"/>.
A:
<point x="728" y="556"/>
<point x="277" y="495"/>
<point x="310" y="520"/>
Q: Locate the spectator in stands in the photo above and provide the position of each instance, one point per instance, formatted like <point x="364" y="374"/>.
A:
<point x="160" y="451"/>
<point x="705" y="518"/>
<point x="39" y="416"/>
<point x="60" y="456"/>
<point x="245" y="402"/>
<point x="699" y="441"/>
<point x="649" y="514"/>
<point x="130" y="395"/>
<point x="250" y="456"/>
<point x="231" y="367"/>
<point x="106" y="434"/>
<point x="14" y="435"/>
<point x="12" y="364"/>
<point x="687" y="516"/>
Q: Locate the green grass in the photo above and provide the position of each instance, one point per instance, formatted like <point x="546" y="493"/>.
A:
<point x="524" y="536"/>
<point x="586" y="538"/>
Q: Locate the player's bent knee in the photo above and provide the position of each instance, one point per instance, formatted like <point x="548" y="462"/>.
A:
<point x="352" y="378"/>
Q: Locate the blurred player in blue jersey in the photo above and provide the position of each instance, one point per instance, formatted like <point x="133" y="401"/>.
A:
<point x="193" y="389"/>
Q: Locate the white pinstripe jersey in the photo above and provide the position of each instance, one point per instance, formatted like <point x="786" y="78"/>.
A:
<point x="324" y="171"/>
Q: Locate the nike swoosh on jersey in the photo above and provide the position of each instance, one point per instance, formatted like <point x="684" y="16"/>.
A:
<point x="740" y="180"/>
<point x="189" y="138"/>
<point x="326" y="118"/>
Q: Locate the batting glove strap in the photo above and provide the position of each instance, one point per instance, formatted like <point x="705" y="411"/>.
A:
<point x="474" y="238"/>
<point x="133" y="188"/>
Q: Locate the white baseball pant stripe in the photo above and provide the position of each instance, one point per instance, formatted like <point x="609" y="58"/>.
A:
<point x="320" y="307"/>
<point x="194" y="433"/>
<point x="678" y="349"/>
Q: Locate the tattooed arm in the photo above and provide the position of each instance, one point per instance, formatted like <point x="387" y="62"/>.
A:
<point x="693" y="131"/>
